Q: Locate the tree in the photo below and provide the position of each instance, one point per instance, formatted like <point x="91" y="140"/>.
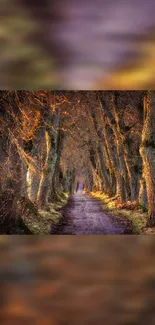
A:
<point x="147" y="151"/>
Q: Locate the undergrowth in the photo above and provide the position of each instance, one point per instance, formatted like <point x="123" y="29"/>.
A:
<point x="21" y="216"/>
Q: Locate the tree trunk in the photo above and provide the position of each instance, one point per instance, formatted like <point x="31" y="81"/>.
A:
<point x="147" y="151"/>
<point x="120" y="183"/>
<point x="33" y="172"/>
<point x="113" y="146"/>
<point x="47" y="173"/>
<point x="50" y="156"/>
<point x="55" y="186"/>
<point x="33" y="179"/>
<point x="106" y="184"/>
<point x="143" y="202"/>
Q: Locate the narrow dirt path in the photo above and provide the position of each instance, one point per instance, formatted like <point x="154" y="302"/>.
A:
<point x="83" y="216"/>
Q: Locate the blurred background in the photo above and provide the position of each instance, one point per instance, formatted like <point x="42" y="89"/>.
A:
<point x="77" y="280"/>
<point x="102" y="44"/>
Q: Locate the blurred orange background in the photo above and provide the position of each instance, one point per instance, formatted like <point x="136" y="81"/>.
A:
<point x="77" y="280"/>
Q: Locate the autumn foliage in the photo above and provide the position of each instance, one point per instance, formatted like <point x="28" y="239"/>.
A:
<point x="49" y="140"/>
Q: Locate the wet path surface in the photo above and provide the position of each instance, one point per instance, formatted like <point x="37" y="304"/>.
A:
<point x="84" y="216"/>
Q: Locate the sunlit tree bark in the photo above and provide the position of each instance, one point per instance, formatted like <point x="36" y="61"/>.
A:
<point x="50" y="140"/>
<point x="106" y="185"/>
<point x="147" y="151"/>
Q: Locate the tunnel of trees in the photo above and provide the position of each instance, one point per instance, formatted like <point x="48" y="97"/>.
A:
<point x="50" y="140"/>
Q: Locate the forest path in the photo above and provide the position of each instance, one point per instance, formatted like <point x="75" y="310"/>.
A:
<point x="83" y="216"/>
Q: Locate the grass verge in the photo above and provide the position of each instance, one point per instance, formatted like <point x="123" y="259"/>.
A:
<point x="127" y="212"/>
<point x="41" y="222"/>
